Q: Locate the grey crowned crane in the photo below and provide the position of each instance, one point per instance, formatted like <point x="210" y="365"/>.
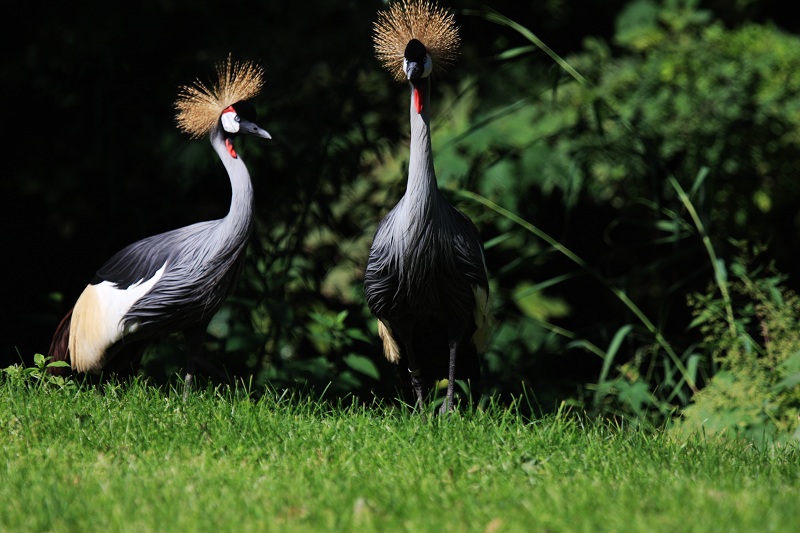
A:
<point x="174" y="281"/>
<point x="426" y="278"/>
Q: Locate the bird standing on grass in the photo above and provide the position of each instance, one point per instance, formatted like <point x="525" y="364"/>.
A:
<point x="177" y="280"/>
<point x="426" y="278"/>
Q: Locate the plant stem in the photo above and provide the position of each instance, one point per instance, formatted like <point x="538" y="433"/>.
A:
<point x="719" y="273"/>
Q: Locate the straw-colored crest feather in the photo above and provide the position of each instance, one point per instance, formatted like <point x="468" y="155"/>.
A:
<point x="200" y="106"/>
<point x="423" y="20"/>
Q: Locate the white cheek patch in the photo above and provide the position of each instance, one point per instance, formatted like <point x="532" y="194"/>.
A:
<point x="428" y="66"/>
<point x="230" y="122"/>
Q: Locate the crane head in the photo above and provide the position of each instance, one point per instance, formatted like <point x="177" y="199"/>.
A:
<point x="411" y="29"/>
<point x="417" y="62"/>
<point x="200" y="107"/>
<point x="241" y="118"/>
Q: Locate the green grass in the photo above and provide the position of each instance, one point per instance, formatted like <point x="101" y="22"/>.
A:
<point x="137" y="458"/>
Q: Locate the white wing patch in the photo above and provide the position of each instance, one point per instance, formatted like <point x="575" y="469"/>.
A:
<point x="97" y="320"/>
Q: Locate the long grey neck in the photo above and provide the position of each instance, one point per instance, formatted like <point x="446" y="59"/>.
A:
<point x="237" y="223"/>
<point x="421" y="188"/>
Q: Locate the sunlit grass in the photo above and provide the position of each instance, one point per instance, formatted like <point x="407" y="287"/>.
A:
<point x="137" y="458"/>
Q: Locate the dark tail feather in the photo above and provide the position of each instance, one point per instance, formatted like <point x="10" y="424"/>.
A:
<point x="59" y="346"/>
<point x="126" y="359"/>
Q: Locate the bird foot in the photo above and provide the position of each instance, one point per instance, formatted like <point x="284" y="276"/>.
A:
<point x="448" y="405"/>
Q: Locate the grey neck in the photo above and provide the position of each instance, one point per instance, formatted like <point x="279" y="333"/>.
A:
<point x="238" y="220"/>
<point x="421" y="188"/>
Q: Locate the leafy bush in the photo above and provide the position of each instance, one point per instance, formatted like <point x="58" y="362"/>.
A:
<point x="601" y="155"/>
<point x="754" y="393"/>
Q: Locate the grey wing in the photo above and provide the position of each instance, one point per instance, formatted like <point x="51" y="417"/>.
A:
<point x="177" y="297"/>
<point x="469" y="250"/>
<point x="381" y="274"/>
<point x="138" y="261"/>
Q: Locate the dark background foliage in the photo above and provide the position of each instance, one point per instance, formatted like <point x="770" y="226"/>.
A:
<point x="94" y="161"/>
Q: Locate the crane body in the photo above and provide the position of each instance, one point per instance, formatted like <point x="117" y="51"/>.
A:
<point x="426" y="278"/>
<point x="177" y="280"/>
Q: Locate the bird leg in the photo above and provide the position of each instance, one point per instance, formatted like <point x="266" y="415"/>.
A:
<point x="447" y="406"/>
<point x="417" y="378"/>
<point x="194" y="342"/>
<point x="416" y="385"/>
<point x="404" y="332"/>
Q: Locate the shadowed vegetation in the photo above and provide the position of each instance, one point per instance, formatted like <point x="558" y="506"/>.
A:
<point x="613" y="160"/>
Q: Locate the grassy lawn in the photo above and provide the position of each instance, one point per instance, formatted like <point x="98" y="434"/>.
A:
<point x="138" y="458"/>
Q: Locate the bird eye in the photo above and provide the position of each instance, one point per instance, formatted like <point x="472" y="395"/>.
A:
<point x="236" y="118"/>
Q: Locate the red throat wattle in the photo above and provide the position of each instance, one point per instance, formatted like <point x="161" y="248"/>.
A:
<point x="418" y="99"/>
<point x="229" y="146"/>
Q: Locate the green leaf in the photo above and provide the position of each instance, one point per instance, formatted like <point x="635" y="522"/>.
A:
<point x="363" y="365"/>
<point x="515" y="52"/>
<point x="357" y="334"/>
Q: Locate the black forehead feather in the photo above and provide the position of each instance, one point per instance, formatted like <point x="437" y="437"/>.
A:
<point x="415" y="51"/>
<point x="245" y="110"/>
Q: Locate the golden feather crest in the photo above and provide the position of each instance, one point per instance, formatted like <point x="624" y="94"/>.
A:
<point x="199" y="106"/>
<point x="423" y="20"/>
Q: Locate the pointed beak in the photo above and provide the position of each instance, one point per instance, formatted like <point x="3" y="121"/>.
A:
<point x="414" y="70"/>
<point x="245" y="126"/>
